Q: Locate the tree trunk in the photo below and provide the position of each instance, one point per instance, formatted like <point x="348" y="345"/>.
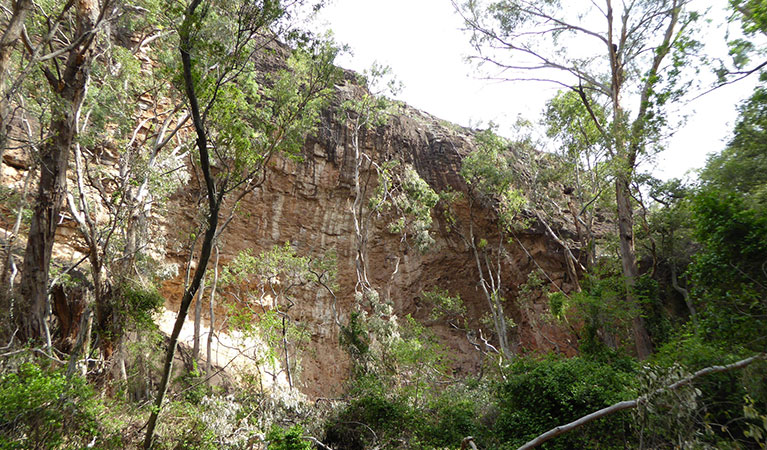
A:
<point x="198" y="322"/>
<point x="214" y="204"/>
<point x="50" y="196"/>
<point x="71" y="88"/>
<point x="7" y="43"/>
<point x="629" y="263"/>
<point x="186" y="301"/>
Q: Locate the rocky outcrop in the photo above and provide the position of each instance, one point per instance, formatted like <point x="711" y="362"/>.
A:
<point x="307" y="203"/>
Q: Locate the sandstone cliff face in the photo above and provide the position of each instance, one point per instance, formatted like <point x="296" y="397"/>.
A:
<point x="308" y="204"/>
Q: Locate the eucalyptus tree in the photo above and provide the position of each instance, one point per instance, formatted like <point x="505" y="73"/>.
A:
<point x="752" y="15"/>
<point x="241" y="116"/>
<point x="362" y="114"/>
<point x="390" y="190"/>
<point x="611" y="54"/>
<point x="148" y="170"/>
<point x="67" y="71"/>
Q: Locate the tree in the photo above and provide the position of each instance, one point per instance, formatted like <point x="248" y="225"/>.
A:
<point x="604" y="52"/>
<point x="12" y="33"/>
<point x="584" y="153"/>
<point x="742" y="166"/>
<point x="489" y="174"/>
<point x="68" y="74"/>
<point x="728" y="211"/>
<point x="752" y="15"/>
<point x="125" y="196"/>
<point x="219" y="45"/>
<point x="392" y="190"/>
<point x="278" y="272"/>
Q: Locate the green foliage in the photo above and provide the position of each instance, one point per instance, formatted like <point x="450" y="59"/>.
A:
<point x="727" y="273"/>
<point x="454" y="414"/>
<point x="718" y="415"/>
<point x="742" y="167"/>
<point x="138" y="304"/>
<point x="667" y="417"/>
<point x="489" y="170"/>
<point x="444" y="305"/>
<point x="42" y="409"/>
<point x="389" y="418"/>
<point x="568" y="121"/>
<point x="757" y="426"/>
<point x="397" y="380"/>
<point x="408" y="198"/>
<point x="265" y="311"/>
<point x="648" y="297"/>
<point x="752" y="15"/>
<point x="290" y="439"/>
<point x="193" y="385"/>
<point x="538" y="395"/>
<point x="354" y="339"/>
<point x="600" y="306"/>
<point x="185" y="428"/>
<point x="373" y="109"/>
<point x="418" y="358"/>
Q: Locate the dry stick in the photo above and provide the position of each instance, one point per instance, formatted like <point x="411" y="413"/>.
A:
<point x="628" y="404"/>
<point x="198" y="322"/>
<point x="212" y="321"/>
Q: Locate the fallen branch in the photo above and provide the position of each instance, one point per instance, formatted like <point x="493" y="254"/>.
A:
<point x="628" y="404"/>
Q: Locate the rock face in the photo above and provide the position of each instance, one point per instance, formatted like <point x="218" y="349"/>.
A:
<point x="308" y="204"/>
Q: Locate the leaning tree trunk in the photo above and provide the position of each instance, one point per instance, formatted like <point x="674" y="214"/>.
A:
<point x="70" y="87"/>
<point x="214" y="204"/>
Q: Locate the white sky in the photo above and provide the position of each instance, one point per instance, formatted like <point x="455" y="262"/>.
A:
<point x="422" y="42"/>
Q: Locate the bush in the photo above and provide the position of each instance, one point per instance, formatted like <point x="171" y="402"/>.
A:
<point x="290" y="439"/>
<point x="42" y="409"/>
<point x="539" y="395"/>
<point x="454" y="415"/>
<point x="375" y="415"/>
<point x="721" y="401"/>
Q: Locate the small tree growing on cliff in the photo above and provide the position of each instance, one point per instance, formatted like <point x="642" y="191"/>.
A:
<point x="266" y="311"/>
<point x="362" y="114"/>
<point x="489" y="176"/>
<point x="400" y="196"/>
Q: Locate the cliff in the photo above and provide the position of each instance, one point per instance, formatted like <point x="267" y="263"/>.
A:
<point x="307" y="203"/>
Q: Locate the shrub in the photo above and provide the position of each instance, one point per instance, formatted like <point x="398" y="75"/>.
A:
<point x="721" y="401"/>
<point x="290" y="439"/>
<point x="539" y="395"/>
<point x="42" y="409"/>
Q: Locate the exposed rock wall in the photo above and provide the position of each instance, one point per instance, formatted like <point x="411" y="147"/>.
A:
<point x="308" y="204"/>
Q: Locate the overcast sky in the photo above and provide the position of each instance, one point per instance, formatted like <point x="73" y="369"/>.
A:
<point x="422" y="42"/>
